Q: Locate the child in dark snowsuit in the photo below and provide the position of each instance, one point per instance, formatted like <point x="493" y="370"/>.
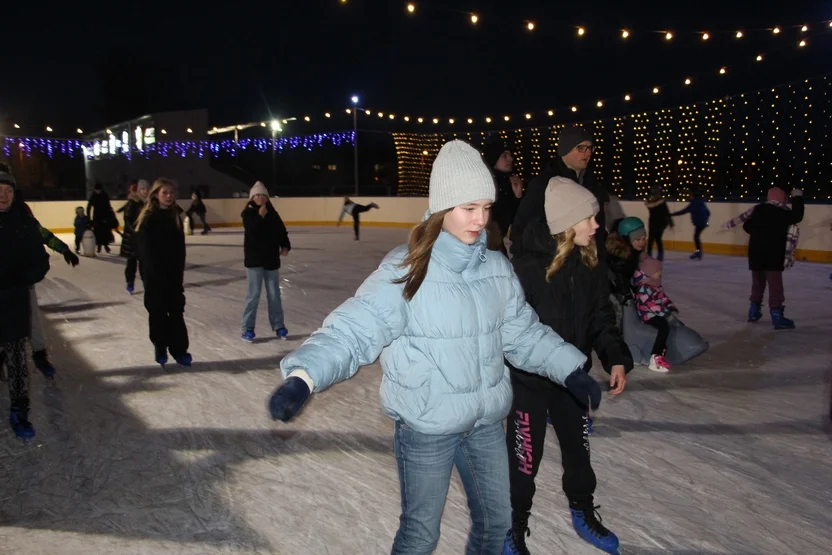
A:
<point x="772" y="226"/>
<point x="81" y="224"/>
<point x="699" y="215"/>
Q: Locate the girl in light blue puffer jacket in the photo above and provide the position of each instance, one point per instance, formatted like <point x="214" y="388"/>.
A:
<point x="442" y="312"/>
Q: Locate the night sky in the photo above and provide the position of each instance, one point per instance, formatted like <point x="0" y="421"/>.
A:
<point x="88" y="65"/>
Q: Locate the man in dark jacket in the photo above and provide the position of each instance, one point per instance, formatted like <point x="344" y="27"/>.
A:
<point x="266" y="239"/>
<point x="499" y="158"/>
<point x="24" y="263"/>
<point x="575" y="149"/>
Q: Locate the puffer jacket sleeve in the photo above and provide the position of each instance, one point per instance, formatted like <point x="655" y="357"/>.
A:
<point x="532" y="346"/>
<point x="355" y="333"/>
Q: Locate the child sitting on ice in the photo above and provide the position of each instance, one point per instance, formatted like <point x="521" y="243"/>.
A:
<point x="651" y="300"/>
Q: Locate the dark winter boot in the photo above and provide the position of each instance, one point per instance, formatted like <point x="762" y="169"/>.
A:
<point x="282" y="333"/>
<point x="515" y="543"/>
<point x="130" y="288"/>
<point x="19" y="421"/>
<point x="42" y="363"/>
<point x="161" y="355"/>
<point x="779" y="321"/>
<point x="587" y="523"/>
<point x="185" y="360"/>
<point x="696" y="255"/>
<point x="754" y="312"/>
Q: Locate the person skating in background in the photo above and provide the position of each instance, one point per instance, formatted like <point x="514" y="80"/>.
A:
<point x="658" y="221"/>
<point x="101" y="214"/>
<point x="569" y="291"/>
<point x="161" y="246"/>
<point x="699" y="215"/>
<point x="498" y="156"/>
<point x="442" y="312"/>
<point x="197" y="208"/>
<point x="131" y="209"/>
<point x="354" y="210"/>
<point x="266" y="240"/>
<point x="625" y="251"/>
<point x="24" y="263"/>
<point x="774" y="233"/>
<point x="575" y="148"/>
<point x="80" y="224"/>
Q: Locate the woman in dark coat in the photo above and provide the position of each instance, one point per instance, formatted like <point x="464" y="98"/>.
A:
<point x="266" y="239"/>
<point x="129" y="249"/>
<point x="772" y="243"/>
<point x="24" y="263"/>
<point x="659" y="221"/>
<point x="103" y="218"/>
<point x="161" y="245"/>
<point x="568" y="288"/>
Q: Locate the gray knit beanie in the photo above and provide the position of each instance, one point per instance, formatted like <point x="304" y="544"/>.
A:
<point x="8" y="179"/>
<point x="566" y="203"/>
<point x="258" y="189"/>
<point x="459" y="176"/>
<point x="143" y="184"/>
<point x="570" y="137"/>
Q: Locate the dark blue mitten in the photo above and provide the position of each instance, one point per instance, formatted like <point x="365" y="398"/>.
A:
<point x="582" y="386"/>
<point x="288" y="399"/>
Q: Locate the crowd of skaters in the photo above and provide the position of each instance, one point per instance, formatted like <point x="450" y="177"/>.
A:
<point x="541" y="314"/>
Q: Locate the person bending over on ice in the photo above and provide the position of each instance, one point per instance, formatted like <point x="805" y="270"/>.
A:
<point x="354" y="210"/>
<point x="773" y="228"/>
<point x="161" y="244"/>
<point x="625" y="250"/>
<point x="23" y="263"/>
<point x="442" y="312"/>
<point x="567" y="287"/>
<point x="266" y="239"/>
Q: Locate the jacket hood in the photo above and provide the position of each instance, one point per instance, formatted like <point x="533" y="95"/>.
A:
<point x="135" y="197"/>
<point x="538" y="241"/>
<point x="618" y="247"/>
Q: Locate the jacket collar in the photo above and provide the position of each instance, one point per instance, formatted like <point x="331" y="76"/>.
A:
<point x="456" y="255"/>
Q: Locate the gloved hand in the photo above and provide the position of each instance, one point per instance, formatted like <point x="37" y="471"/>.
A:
<point x="797" y="193"/>
<point x="287" y="400"/>
<point x="70" y="258"/>
<point x="583" y="387"/>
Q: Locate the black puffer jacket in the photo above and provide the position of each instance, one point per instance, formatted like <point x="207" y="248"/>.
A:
<point x="23" y="263"/>
<point x="265" y="236"/>
<point x="768" y="227"/>
<point x="531" y="207"/>
<point x="131" y="210"/>
<point x="161" y="246"/>
<point x="622" y="262"/>
<point x="575" y="303"/>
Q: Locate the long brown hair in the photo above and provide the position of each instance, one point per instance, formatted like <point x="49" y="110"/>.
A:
<point x="566" y="243"/>
<point x="420" y="244"/>
<point x="152" y="203"/>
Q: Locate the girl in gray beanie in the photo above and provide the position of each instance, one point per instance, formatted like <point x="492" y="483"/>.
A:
<point x="567" y="288"/>
<point x="443" y="312"/>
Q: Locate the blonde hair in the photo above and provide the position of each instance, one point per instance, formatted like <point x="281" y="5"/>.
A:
<point x="566" y="244"/>
<point x="420" y="245"/>
<point x="152" y="203"/>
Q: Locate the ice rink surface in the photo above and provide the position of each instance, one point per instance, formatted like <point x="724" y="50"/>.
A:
<point x="729" y="454"/>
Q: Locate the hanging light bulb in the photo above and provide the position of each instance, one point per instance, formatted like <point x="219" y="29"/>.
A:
<point x="528" y="116"/>
<point x="470" y="120"/>
<point x="804" y="28"/>
<point x="668" y="36"/>
<point x="420" y="120"/>
<point x="581" y="31"/>
<point x="506" y="118"/>
<point x="451" y="121"/>
<point x="551" y="112"/>
<point x="722" y="71"/>
<point x="574" y="108"/>
<point x="627" y="98"/>
<point x="776" y="30"/>
<point x="411" y="8"/>
<point x="687" y="81"/>
<point x="655" y="90"/>
<point x="407" y="118"/>
<point x="327" y="115"/>
<point x="530" y="25"/>
<point x="739" y="34"/>
<point x="600" y="104"/>
<point x="759" y="58"/>
<point x="705" y="36"/>
<point x="435" y="121"/>
<point x="625" y="34"/>
<point x="802" y="43"/>
<point x="474" y="18"/>
<point x="487" y="120"/>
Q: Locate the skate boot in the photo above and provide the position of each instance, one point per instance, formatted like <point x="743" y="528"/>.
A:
<point x="161" y="355"/>
<point x="42" y="363"/>
<point x="283" y="333"/>
<point x="779" y="321"/>
<point x="515" y="542"/>
<point x="754" y="312"/>
<point x="130" y="289"/>
<point x="587" y="523"/>
<point x="185" y="360"/>
<point x="19" y="421"/>
<point x="697" y="255"/>
<point x="372" y="205"/>
<point x="248" y="336"/>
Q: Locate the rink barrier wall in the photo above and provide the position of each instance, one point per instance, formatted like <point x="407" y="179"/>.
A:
<point x="404" y="212"/>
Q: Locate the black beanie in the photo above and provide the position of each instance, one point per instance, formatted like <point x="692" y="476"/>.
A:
<point x="8" y="179"/>
<point x="570" y="137"/>
<point x="492" y="151"/>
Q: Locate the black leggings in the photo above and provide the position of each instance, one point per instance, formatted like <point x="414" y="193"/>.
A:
<point x="663" y="327"/>
<point x="356" y="220"/>
<point x="697" y="233"/>
<point x="655" y="236"/>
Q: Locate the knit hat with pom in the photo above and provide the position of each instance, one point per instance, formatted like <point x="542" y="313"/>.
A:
<point x="459" y="176"/>
<point x="566" y="203"/>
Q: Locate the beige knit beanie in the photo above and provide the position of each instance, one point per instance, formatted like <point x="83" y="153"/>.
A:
<point x="459" y="176"/>
<point x="566" y="203"/>
<point x="258" y="189"/>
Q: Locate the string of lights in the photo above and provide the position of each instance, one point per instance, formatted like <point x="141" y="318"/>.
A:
<point x="729" y="148"/>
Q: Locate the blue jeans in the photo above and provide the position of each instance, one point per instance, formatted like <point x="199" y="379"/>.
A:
<point x="425" y="463"/>
<point x="256" y="277"/>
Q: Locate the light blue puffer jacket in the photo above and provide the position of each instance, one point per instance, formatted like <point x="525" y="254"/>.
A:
<point x="442" y="352"/>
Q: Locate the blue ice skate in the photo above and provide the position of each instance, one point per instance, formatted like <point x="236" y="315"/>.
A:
<point x="587" y="523"/>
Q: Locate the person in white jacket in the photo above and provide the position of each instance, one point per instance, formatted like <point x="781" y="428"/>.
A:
<point x="354" y="210"/>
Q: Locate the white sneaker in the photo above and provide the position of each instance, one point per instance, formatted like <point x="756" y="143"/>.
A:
<point x="659" y="364"/>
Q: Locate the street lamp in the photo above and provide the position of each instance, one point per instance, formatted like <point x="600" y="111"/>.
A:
<point x="355" y="140"/>
<point x="275" y="127"/>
